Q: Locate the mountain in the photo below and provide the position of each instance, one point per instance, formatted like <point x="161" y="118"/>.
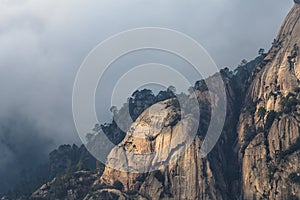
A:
<point x="268" y="128"/>
<point x="256" y="157"/>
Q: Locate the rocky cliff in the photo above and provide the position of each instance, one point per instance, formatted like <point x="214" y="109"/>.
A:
<point x="190" y="176"/>
<point x="269" y="123"/>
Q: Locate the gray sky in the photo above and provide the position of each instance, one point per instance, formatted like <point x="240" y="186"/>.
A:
<point x="42" y="44"/>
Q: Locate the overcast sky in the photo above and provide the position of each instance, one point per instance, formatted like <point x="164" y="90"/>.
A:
<point x="43" y="43"/>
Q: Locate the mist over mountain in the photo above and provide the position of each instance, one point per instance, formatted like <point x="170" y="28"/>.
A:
<point x="256" y="157"/>
<point x="43" y="44"/>
<point x="22" y="147"/>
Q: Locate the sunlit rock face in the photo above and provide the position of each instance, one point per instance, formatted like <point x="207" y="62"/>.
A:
<point x="269" y="126"/>
<point x="162" y="131"/>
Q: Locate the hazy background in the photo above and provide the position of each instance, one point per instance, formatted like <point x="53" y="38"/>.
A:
<point x="42" y="44"/>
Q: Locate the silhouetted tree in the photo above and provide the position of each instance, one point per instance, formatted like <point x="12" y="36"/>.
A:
<point x="261" y="112"/>
<point x="261" y="51"/>
<point x="243" y="62"/>
<point x="172" y="89"/>
<point x="80" y="165"/>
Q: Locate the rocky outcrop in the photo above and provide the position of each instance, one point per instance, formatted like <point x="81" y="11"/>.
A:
<point x="161" y="130"/>
<point x="69" y="186"/>
<point x="189" y="176"/>
<point x="269" y="131"/>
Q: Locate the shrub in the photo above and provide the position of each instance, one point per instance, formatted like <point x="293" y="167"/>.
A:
<point x="250" y="106"/>
<point x="270" y="118"/>
<point x="272" y="170"/>
<point x="294" y="147"/>
<point x="118" y="185"/>
<point x="297" y="90"/>
<point x="150" y="137"/>
<point x="261" y="112"/>
<point x="289" y="103"/>
<point x="260" y="129"/>
<point x="201" y="86"/>
<point x="294" y="178"/>
<point x="131" y="192"/>
<point x="249" y="133"/>
<point x="292" y="197"/>
<point x="159" y="176"/>
<point x="58" y="188"/>
<point x="80" y="165"/>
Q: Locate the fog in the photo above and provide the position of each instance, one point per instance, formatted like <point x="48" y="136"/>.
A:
<point x="43" y="43"/>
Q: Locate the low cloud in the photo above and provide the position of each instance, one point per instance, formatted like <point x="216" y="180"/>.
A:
<point x="42" y="44"/>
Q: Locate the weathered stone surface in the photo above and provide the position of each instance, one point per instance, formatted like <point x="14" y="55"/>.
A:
<point x="189" y="176"/>
<point x="271" y="154"/>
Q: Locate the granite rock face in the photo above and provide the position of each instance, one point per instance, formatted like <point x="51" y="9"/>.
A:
<point x="188" y="176"/>
<point x="162" y="130"/>
<point x="269" y="125"/>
